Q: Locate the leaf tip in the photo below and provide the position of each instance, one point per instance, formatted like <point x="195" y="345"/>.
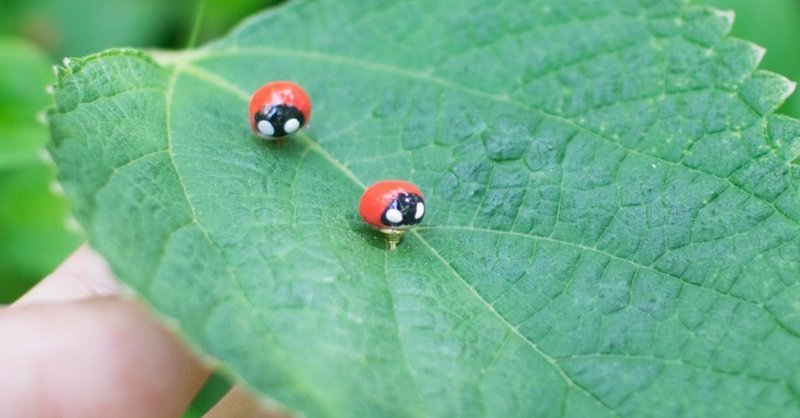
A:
<point x="766" y="91"/>
<point x="784" y="137"/>
<point x="66" y="67"/>
<point x="758" y="52"/>
<point x="73" y="225"/>
<point x="727" y="17"/>
<point x="41" y="118"/>
<point x="56" y="188"/>
<point x="45" y="157"/>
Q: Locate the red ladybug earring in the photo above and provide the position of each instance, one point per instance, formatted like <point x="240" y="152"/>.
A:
<point x="278" y="109"/>
<point x="392" y="207"/>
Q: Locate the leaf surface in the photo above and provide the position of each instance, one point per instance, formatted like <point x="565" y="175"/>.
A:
<point x="613" y="213"/>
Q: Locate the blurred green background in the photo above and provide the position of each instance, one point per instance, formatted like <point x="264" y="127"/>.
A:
<point x="35" y="34"/>
<point x="35" y="230"/>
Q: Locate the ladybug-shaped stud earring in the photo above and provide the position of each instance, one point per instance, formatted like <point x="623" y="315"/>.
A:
<point x="392" y="207"/>
<point x="278" y="109"/>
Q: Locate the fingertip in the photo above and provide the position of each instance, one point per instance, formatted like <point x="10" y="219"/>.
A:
<point x="82" y="275"/>
<point x="95" y="358"/>
<point x="238" y="402"/>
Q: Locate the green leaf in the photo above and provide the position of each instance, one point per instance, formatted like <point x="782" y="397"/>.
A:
<point x="33" y="229"/>
<point x="771" y="24"/>
<point x="612" y="225"/>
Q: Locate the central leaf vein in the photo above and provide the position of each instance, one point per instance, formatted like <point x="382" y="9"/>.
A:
<point x="227" y="86"/>
<point x="170" y="92"/>
<point x="430" y="78"/>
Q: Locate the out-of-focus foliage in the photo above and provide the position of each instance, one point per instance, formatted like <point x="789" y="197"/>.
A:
<point x="214" y="389"/>
<point x="80" y="27"/>
<point x="34" y="35"/>
<point x="33" y="236"/>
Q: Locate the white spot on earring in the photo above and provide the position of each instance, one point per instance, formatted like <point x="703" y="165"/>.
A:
<point x="394" y="216"/>
<point x="265" y="128"/>
<point x="291" y="125"/>
<point x="420" y="211"/>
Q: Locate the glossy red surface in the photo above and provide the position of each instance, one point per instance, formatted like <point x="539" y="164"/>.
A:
<point x="377" y="198"/>
<point x="280" y="92"/>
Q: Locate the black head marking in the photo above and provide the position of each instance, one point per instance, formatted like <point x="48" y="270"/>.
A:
<point x="406" y="204"/>
<point x="277" y="116"/>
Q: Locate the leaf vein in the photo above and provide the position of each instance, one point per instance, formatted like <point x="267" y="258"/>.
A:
<point x="429" y="77"/>
<point x="582" y="247"/>
<point x="564" y="375"/>
<point x="176" y="71"/>
<point x="677" y="362"/>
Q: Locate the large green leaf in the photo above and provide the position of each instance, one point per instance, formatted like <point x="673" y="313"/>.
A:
<point x="775" y="25"/>
<point x="612" y="225"/>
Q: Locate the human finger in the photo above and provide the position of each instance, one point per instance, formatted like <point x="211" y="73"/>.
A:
<point x="239" y="403"/>
<point x="82" y="275"/>
<point x="93" y="358"/>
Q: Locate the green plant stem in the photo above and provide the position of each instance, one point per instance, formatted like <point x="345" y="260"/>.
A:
<point x="198" y="20"/>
